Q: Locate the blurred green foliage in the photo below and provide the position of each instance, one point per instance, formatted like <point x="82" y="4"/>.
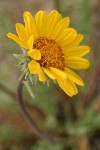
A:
<point x="87" y="124"/>
<point x="47" y="146"/>
<point x="64" y="117"/>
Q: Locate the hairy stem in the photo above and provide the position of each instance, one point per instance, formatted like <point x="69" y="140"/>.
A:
<point x="28" y="105"/>
<point x="41" y="134"/>
<point x="94" y="86"/>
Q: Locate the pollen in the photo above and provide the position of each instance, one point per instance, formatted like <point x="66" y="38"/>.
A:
<point x="51" y="53"/>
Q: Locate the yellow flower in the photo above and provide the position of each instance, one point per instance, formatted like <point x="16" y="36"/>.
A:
<point x="52" y="48"/>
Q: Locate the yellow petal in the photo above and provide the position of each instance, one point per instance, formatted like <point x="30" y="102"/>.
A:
<point x="65" y="33"/>
<point x="68" y="87"/>
<point x="30" y="24"/>
<point x="41" y="22"/>
<point x="49" y="73"/>
<point x="53" y="18"/>
<point x="41" y="75"/>
<point x="17" y="40"/>
<point x="77" y="62"/>
<point x="75" y="90"/>
<point x="58" y="73"/>
<point x="77" y="51"/>
<point x="77" y="41"/>
<point x="35" y="54"/>
<point x="21" y="32"/>
<point x="60" y="27"/>
<point x="34" y="67"/>
<point x="74" y="77"/>
<point x="27" y="23"/>
<point x="64" y="87"/>
<point x="30" y="42"/>
<point x="70" y="37"/>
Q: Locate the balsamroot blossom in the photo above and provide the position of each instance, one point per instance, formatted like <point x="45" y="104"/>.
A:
<point x="52" y="49"/>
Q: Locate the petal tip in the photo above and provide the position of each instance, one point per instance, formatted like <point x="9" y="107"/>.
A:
<point x="9" y="35"/>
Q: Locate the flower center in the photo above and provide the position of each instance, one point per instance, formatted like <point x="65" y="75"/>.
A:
<point x="51" y="53"/>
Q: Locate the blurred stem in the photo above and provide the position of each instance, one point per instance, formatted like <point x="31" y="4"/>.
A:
<point x="28" y="105"/>
<point x="7" y="91"/>
<point x="73" y="111"/>
<point x="95" y="38"/>
<point x="94" y="86"/>
<point x="83" y="143"/>
<point x="25" y="113"/>
<point x="95" y="44"/>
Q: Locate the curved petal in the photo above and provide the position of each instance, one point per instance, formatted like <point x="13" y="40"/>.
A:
<point x="70" y="37"/>
<point x="77" y="62"/>
<point x="41" y="75"/>
<point x="66" y="33"/>
<point x="21" y="32"/>
<point x="68" y="87"/>
<point x="58" y="73"/>
<point x="49" y="73"/>
<point x="77" y="41"/>
<point x="30" y="42"/>
<point x="41" y="22"/>
<point x="17" y="40"/>
<point x="34" y="67"/>
<point x="77" y="51"/>
<point x="60" y="27"/>
<point x="35" y="54"/>
<point x="75" y="90"/>
<point x="74" y="77"/>
<point x="52" y="19"/>
<point x="27" y="22"/>
<point x="30" y="24"/>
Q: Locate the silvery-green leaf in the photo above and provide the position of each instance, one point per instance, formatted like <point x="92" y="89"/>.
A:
<point x="18" y="56"/>
<point x="24" y="51"/>
<point x="35" y="78"/>
<point x="29" y="89"/>
<point x="27" y="74"/>
<point x="31" y="78"/>
<point x="22" y="62"/>
<point x="24" y="69"/>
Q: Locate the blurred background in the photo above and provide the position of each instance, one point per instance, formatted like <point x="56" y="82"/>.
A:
<point x="73" y="122"/>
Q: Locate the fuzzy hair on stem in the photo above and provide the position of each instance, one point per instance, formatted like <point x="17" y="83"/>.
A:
<point x="41" y="134"/>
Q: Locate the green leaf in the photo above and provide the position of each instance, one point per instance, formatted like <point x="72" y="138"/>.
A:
<point x="18" y="56"/>
<point x="30" y="90"/>
<point x="42" y="145"/>
<point x="24" y="51"/>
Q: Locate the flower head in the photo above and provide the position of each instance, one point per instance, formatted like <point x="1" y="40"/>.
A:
<point x="52" y="48"/>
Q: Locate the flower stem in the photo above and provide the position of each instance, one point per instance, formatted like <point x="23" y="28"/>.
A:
<point x="41" y="134"/>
